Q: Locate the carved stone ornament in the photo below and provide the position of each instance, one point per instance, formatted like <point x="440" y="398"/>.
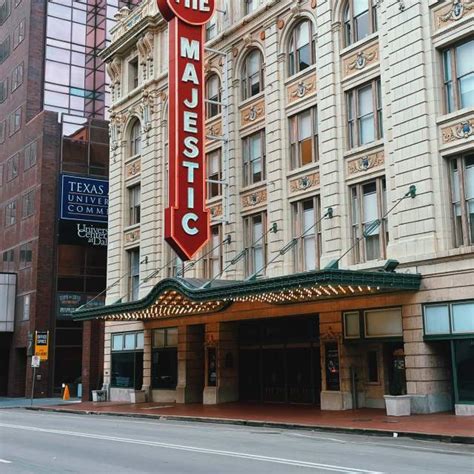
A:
<point x="133" y="169"/>
<point x="304" y="182"/>
<point x="216" y="210"/>
<point x="114" y="70"/>
<point x="462" y="130"/>
<point x="280" y="24"/>
<point x="457" y="11"/>
<point x="301" y="89"/>
<point x="365" y="163"/>
<point x="132" y="236"/>
<point x="214" y="130"/>
<point x="254" y="199"/>
<point x="358" y="61"/>
<point x="253" y="113"/>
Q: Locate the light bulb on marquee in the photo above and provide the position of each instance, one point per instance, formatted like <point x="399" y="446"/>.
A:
<point x="186" y="218"/>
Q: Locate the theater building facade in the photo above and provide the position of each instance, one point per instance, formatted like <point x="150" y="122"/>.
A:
<point x="340" y="184"/>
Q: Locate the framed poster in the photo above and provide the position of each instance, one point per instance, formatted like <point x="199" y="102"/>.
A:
<point x="332" y="366"/>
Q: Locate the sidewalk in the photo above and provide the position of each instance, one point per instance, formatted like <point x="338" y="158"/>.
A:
<point x="26" y="402"/>
<point x="441" y="426"/>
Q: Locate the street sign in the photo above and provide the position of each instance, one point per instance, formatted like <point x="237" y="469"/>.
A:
<point x="186" y="218"/>
<point x="35" y="362"/>
<point x="42" y="344"/>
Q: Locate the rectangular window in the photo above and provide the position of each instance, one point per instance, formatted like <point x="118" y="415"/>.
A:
<point x="127" y="360"/>
<point x="10" y="213"/>
<point x="3" y="90"/>
<point x="214" y="173"/>
<point x="5" y="10"/>
<point x="383" y="323"/>
<point x="8" y="258"/>
<point x="351" y="325"/>
<point x="133" y="74"/>
<point x="250" y="6"/>
<point x="254" y="158"/>
<point x="462" y="198"/>
<point x="369" y="227"/>
<point x="28" y="204"/>
<point x="307" y="232"/>
<point x="372" y="367"/>
<point x="213" y="258"/>
<point x="14" y="121"/>
<point x="211" y="28"/>
<point x="463" y="363"/>
<point x="30" y="155"/>
<point x="437" y="320"/>
<point x="26" y="254"/>
<point x="304" y="138"/>
<point x="364" y="114"/>
<point x="12" y="167"/>
<point x="4" y="49"/>
<point x="17" y="77"/>
<point x="164" y="368"/>
<point x="134" y="200"/>
<point x="458" y="68"/>
<point x="3" y="131"/>
<point x="19" y="34"/>
<point x="134" y="274"/>
<point x="449" y="318"/>
<point x="26" y="304"/>
<point x="255" y="243"/>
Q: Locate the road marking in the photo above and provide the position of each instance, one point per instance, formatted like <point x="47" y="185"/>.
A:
<point x="298" y="435"/>
<point x="215" y="452"/>
<point x="4" y="461"/>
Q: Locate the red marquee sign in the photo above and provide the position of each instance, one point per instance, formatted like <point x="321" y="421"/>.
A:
<point x="186" y="218"/>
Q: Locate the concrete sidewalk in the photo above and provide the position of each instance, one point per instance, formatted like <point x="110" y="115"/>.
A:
<point x="441" y="426"/>
<point x="6" y="402"/>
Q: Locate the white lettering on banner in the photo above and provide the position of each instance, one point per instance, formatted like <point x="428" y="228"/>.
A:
<point x="93" y="235"/>
<point x="190" y="216"/>
<point x="189" y="50"/>
<point x="201" y="5"/>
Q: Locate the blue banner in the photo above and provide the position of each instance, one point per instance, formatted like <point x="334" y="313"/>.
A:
<point x="84" y="199"/>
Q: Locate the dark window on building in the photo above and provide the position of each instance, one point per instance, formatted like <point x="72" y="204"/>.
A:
<point x="214" y="173"/>
<point x="213" y="258"/>
<point x="133" y="74"/>
<point x="26" y="254"/>
<point x="459" y="76"/>
<point x="301" y="49"/>
<point x="304" y="138"/>
<point x="3" y="90"/>
<point x="19" y="34"/>
<point x="127" y="360"/>
<point x="10" y="213"/>
<point x="462" y="198"/>
<point x="3" y="133"/>
<point x="369" y="205"/>
<point x="135" y="139"/>
<point x="252" y="74"/>
<point x="28" y="204"/>
<point x="372" y="367"/>
<point x="164" y="367"/>
<point x="14" y="121"/>
<point x="360" y="20"/>
<point x="463" y="363"/>
<point x="255" y="243"/>
<point x="23" y="307"/>
<point x="213" y="94"/>
<point x="4" y="49"/>
<point x="250" y="6"/>
<point x="364" y="114"/>
<point x="134" y="204"/>
<point x="12" y="167"/>
<point x="30" y="155"/>
<point x="254" y="158"/>
<point x="5" y="9"/>
<point x="307" y="232"/>
<point x="17" y="77"/>
<point x="134" y="274"/>
<point x="8" y="258"/>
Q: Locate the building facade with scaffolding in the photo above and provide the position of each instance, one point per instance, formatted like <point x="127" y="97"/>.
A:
<point x="340" y="186"/>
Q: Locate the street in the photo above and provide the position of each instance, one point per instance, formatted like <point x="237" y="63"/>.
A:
<point x="36" y="442"/>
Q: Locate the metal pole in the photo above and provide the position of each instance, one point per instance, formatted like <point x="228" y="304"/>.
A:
<point x="33" y="385"/>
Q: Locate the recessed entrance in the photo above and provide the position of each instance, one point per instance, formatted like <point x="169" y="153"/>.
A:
<point x="280" y="361"/>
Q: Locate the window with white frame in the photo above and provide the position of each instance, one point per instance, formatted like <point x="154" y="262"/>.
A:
<point x="133" y="274"/>
<point x="17" y="77"/>
<point x="462" y="198"/>
<point x="3" y="90"/>
<point x="134" y="203"/>
<point x="28" y="204"/>
<point x="301" y="48"/>
<point x="135" y="139"/>
<point x="307" y="232"/>
<point x="10" y="213"/>
<point x="3" y="131"/>
<point x="360" y="20"/>
<point x="255" y="242"/>
<point x="449" y="318"/>
<point x="369" y="227"/>
<point x="213" y="254"/>
<point x="364" y="114"/>
<point x="5" y="9"/>
<point x="214" y="173"/>
<point x="30" y="155"/>
<point x="304" y="138"/>
<point x="250" y="6"/>
<point x="458" y="65"/>
<point x="211" y="28"/>
<point x="213" y="95"/>
<point x="12" y="167"/>
<point x="252" y="74"/>
<point x="19" y="33"/>
<point x="253" y="148"/>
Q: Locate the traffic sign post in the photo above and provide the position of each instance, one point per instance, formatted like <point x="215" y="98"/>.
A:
<point x="186" y="218"/>
<point x="35" y="363"/>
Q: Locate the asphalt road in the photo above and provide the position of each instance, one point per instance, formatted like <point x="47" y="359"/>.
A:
<point x="41" y="442"/>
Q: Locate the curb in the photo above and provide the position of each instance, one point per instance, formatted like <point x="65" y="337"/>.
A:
<point x="270" y="424"/>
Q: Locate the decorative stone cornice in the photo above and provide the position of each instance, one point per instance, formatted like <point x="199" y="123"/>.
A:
<point x="461" y="130"/>
<point x="301" y="88"/>
<point x="254" y="198"/>
<point x="453" y="12"/>
<point x="361" y="59"/>
<point x="252" y="113"/>
<point x="365" y="163"/>
<point x="303" y="183"/>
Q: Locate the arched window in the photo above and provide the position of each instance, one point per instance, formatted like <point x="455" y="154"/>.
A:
<point x="213" y="93"/>
<point x="252" y="74"/>
<point x="360" y="20"/>
<point x="301" y="50"/>
<point x="135" y="139"/>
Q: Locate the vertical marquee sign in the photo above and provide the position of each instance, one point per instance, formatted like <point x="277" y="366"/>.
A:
<point x="186" y="218"/>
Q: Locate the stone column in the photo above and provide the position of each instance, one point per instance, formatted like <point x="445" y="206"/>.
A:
<point x="147" y="347"/>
